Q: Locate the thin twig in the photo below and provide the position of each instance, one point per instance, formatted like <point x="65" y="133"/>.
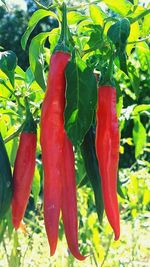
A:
<point x="140" y="40"/>
<point x="107" y="251"/>
<point x="140" y="16"/>
<point x="13" y="135"/>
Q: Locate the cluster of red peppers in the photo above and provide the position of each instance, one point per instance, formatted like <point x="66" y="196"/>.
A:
<point x="58" y="157"/>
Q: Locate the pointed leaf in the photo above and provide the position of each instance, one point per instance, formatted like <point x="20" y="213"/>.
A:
<point x="134" y="35"/>
<point x="146" y="25"/>
<point x="37" y="15"/>
<point x="74" y="17"/>
<point x="53" y="38"/>
<point x="119" y="32"/>
<point x="81" y="95"/>
<point x="8" y="63"/>
<point x="141" y="108"/>
<point x="97" y="15"/>
<point x="143" y="53"/>
<point x="36" y="58"/>
<point x="121" y="7"/>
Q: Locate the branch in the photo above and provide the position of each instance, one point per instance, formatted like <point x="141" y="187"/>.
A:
<point x="140" y="40"/>
<point x="107" y="251"/>
<point x="13" y="135"/>
<point x="143" y="14"/>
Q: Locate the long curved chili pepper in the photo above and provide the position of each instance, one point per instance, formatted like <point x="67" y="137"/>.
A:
<point x="24" y="170"/>
<point x="69" y="200"/>
<point x="52" y="139"/>
<point x="55" y="149"/>
<point x="107" y="150"/>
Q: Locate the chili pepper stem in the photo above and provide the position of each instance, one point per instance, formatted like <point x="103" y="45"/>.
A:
<point x="63" y="43"/>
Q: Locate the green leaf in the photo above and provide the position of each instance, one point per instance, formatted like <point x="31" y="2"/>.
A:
<point x="146" y="26"/>
<point x="53" y="38"/>
<point x="92" y="169"/>
<point x="15" y="257"/>
<point x="96" y="36"/>
<point x="141" y="108"/>
<point x="13" y="151"/>
<point x="119" y="99"/>
<point x="134" y="78"/>
<point x="84" y="181"/>
<point x="37" y="15"/>
<point x="3" y="225"/>
<point x="134" y="35"/>
<point x="97" y="15"/>
<point x="9" y="222"/>
<point x="36" y="185"/>
<point x="80" y="169"/>
<point x="143" y="53"/>
<point x="8" y="63"/>
<point x="139" y="136"/>
<point x="36" y="58"/>
<point x="119" y="189"/>
<point x="81" y="96"/>
<point x="29" y="77"/>
<point x="121" y="7"/>
<point x="19" y="73"/>
<point x="119" y="32"/>
<point x="74" y="17"/>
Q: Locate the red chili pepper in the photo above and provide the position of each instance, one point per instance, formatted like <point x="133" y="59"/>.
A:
<point x="69" y="200"/>
<point x="23" y="170"/>
<point x="52" y="139"/>
<point x="59" y="187"/>
<point x="107" y="149"/>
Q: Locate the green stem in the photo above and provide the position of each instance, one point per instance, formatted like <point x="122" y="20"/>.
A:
<point x="13" y="135"/>
<point x="12" y="92"/>
<point x="107" y="72"/>
<point x="30" y="125"/>
<point x="40" y="6"/>
<point x="63" y="36"/>
<point x="63" y="40"/>
<point x="107" y="251"/>
<point x="140" y="16"/>
<point x="140" y="40"/>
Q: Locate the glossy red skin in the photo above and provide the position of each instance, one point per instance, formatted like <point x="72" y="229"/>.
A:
<point x="23" y="176"/>
<point x="107" y="149"/>
<point x="52" y="139"/>
<point x="69" y="200"/>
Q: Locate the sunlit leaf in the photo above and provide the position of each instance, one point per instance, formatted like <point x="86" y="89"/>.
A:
<point x="121" y="7"/>
<point x="97" y="15"/>
<point x="36" y="58"/>
<point x="134" y="35"/>
<point x="139" y="136"/>
<point x="141" y="108"/>
<point x="37" y="15"/>
<point x="143" y="53"/>
<point x="74" y="17"/>
<point x="53" y="38"/>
